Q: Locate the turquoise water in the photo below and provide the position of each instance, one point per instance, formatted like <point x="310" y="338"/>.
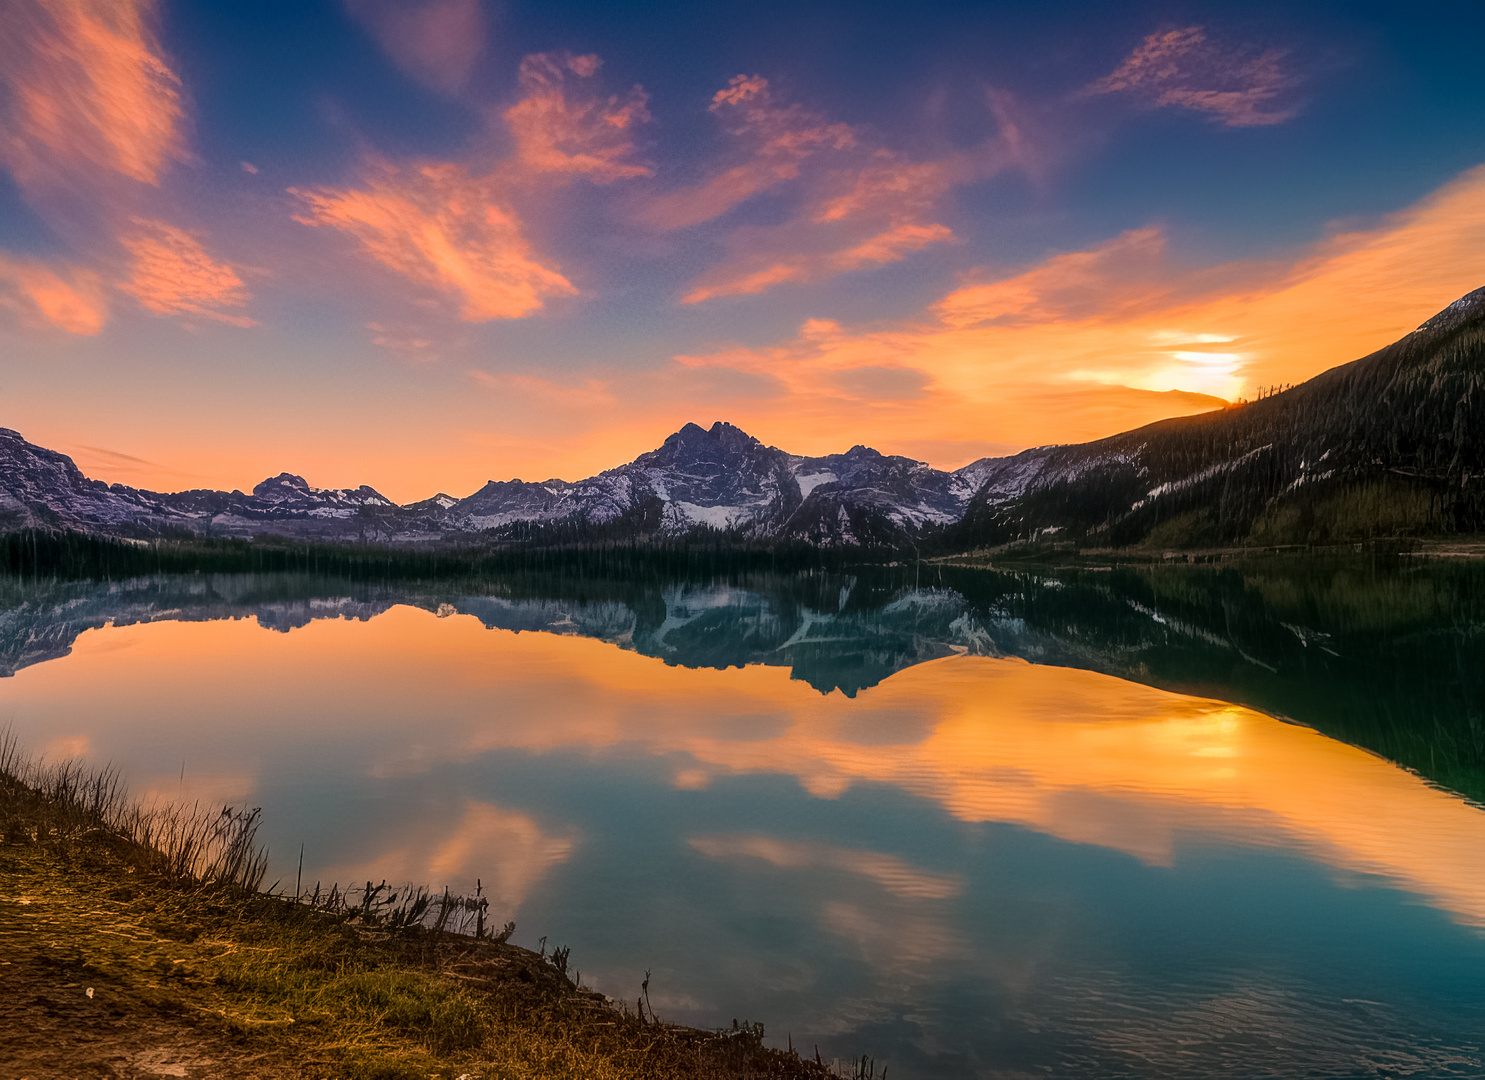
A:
<point x="847" y="806"/>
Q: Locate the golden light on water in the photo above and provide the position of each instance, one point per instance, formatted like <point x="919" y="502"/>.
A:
<point x="1077" y="755"/>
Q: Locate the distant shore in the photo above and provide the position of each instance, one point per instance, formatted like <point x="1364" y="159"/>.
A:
<point x="1464" y="547"/>
<point x="61" y="554"/>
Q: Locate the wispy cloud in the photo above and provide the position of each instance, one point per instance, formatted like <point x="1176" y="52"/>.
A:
<point x="409" y="343"/>
<point x="893" y="875"/>
<point x="856" y="203"/>
<point x="1088" y="343"/>
<point x="890" y="245"/>
<point x="172" y="274"/>
<point x="458" y="231"/>
<point x="36" y="294"/>
<point x="561" y="124"/>
<point x="1103" y="282"/>
<point x="446" y="231"/>
<point x="775" y="138"/>
<point x="435" y="42"/>
<point x="1184" y="68"/>
<point x="124" y="468"/>
<point x="88" y="89"/>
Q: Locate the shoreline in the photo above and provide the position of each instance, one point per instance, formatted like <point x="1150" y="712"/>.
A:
<point x="113" y="965"/>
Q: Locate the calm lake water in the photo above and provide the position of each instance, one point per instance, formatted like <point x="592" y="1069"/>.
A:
<point x="970" y="823"/>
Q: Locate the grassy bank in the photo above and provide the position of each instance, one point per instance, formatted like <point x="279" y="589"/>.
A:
<point x="136" y="942"/>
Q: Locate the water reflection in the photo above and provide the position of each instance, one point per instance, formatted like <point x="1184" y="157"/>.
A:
<point x="973" y="866"/>
<point x="1389" y="655"/>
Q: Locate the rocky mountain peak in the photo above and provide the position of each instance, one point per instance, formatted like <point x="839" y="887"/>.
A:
<point x="721" y="445"/>
<point x="1467" y="308"/>
<point x="694" y="439"/>
<point x="283" y="486"/>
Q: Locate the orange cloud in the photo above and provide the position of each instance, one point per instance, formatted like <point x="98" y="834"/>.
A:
<point x="1088" y="343"/>
<point x="776" y="138"/>
<point x="173" y="275"/>
<point x="40" y="295"/>
<point x="1183" y="68"/>
<point x="1094" y="342"/>
<point x="88" y="89"/>
<point x="129" y="469"/>
<point x="891" y="182"/>
<point x="591" y="396"/>
<point x="888" y="246"/>
<point x="858" y="204"/>
<point x="444" y="230"/>
<point x="435" y="42"/>
<point x="557" y="130"/>
<point x="1080" y="284"/>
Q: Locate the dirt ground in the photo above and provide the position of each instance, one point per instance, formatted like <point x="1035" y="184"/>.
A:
<point x="108" y="973"/>
<point x="88" y="990"/>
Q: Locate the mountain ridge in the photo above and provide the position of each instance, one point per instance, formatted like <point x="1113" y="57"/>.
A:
<point x="1391" y="443"/>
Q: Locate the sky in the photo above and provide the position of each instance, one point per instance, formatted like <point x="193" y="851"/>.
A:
<point x="420" y="244"/>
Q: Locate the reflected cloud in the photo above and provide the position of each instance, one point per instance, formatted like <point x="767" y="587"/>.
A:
<point x="63" y="747"/>
<point x="215" y="787"/>
<point x="507" y="850"/>
<point x="905" y="944"/>
<point x="893" y="875"/>
<point x="517" y="848"/>
<point x="1077" y="755"/>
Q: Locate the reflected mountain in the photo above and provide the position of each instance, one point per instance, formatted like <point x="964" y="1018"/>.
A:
<point x="1384" y="653"/>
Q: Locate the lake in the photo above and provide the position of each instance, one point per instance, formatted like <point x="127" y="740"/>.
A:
<point x="1130" y="822"/>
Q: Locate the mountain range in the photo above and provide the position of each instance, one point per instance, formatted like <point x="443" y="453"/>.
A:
<point x="1392" y="444"/>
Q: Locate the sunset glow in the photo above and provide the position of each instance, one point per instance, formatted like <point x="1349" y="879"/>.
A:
<point x="533" y="244"/>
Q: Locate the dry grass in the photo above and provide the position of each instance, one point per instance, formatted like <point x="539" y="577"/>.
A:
<point x="67" y="802"/>
<point x="158" y="911"/>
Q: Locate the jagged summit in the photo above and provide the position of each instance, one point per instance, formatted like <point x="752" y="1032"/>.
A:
<point x="721" y="443"/>
<point x="281" y="487"/>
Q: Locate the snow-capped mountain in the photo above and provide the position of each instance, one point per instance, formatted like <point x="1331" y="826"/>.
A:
<point x="41" y="488"/>
<point x="1391" y="443"/>
<point x="719" y="479"/>
<point x="722" y="478"/>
